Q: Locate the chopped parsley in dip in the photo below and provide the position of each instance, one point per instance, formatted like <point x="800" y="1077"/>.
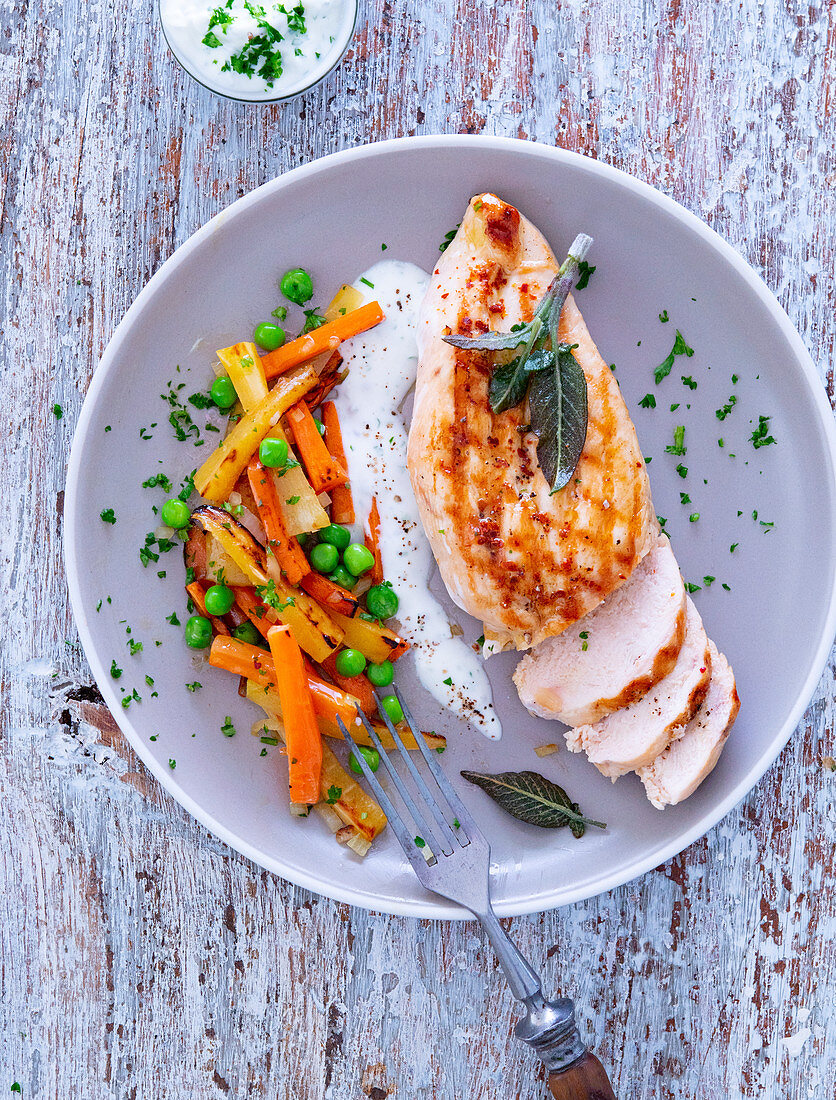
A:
<point x="258" y="49"/>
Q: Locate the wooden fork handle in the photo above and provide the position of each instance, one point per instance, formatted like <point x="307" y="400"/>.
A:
<point x="585" y="1079"/>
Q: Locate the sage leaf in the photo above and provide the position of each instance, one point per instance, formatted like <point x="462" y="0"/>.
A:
<point x="557" y="402"/>
<point x="532" y="798"/>
<point x="509" y="388"/>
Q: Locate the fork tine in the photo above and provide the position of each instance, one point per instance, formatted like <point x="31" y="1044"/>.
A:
<point x="418" y="779"/>
<point x="426" y="832"/>
<point x="407" y="842"/>
<point x="469" y="825"/>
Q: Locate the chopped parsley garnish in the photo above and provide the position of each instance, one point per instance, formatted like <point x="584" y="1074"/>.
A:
<point x="211" y="40"/>
<point x="694" y="516"/>
<point x="334" y="795"/>
<point x="115" y="671"/>
<point x="135" y="647"/>
<point x="584" y="637"/>
<point x="688" y="381"/>
<point x="280" y="313"/>
<point x="172" y="763"/>
<point x="689" y="587"/>
<point x="292" y="500"/>
<point x="680" y="347"/>
<point x="107" y="515"/>
<point x="227" y="729"/>
<point x="448" y="681"/>
<point x="708" y="581"/>
<point x="195" y="685"/>
<point x="366" y="281"/>
<point x="156" y="480"/>
<point x="722" y="413"/>
<point x="684" y="498"/>
<point x="674" y="407"/>
<point x="172" y="618"/>
<point x="648" y="401"/>
<point x="272" y="598"/>
<point x="734" y="379"/>
<point x="663" y="317"/>
<point x="682" y="470"/>
<point x="678" y="447"/>
<point x="269" y="740"/>
<point x="759" y="437"/>
<point x="420" y="842"/>
<point x="445" y="244"/>
<point x="733" y="547"/>
<point x="313" y="319"/>
<point x="584" y="274"/>
<point x="221" y="17"/>
<point x="57" y="411"/>
<point x="201" y="401"/>
<point x="149" y="680"/>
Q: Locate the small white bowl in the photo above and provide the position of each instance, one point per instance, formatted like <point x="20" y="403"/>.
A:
<point x="325" y="65"/>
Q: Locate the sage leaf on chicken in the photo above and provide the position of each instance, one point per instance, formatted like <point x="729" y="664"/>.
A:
<point x="546" y="372"/>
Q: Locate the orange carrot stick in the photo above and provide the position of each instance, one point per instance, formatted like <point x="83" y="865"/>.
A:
<point x="327" y="337"/>
<point x="249" y="660"/>
<point x="323" y="470"/>
<point x="358" y="686"/>
<point x="342" y="505"/>
<point x="329" y="594"/>
<point x="285" y="547"/>
<point x="304" y="743"/>
<point x="373" y="542"/>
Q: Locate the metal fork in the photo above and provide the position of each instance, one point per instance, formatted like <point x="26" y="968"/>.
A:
<point x="451" y="856"/>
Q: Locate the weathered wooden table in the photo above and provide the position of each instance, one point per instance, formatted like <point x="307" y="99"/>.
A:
<point x="139" y="957"/>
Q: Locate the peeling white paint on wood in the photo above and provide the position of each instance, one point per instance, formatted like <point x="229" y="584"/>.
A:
<point x="138" y="956"/>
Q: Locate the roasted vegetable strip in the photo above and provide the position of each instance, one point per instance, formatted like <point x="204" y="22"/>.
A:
<point x="304" y="744"/>
<point x="329" y="377"/>
<point x="376" y="642"/>
<point x="299" y="503"/>
<point x="373" y="542"/>
<point x="216" y="478"/>
<point x="267" y="697"/>
<point x="312" y="628"/>
<point x="285" y="548"/>
<point x="323" y="469"/>
<point x="327" y="337"/>
<point x="246" y="373"/>
<point x="346" y="300"/>
<point x="329" y="594"/>
<point x="342" y="505"/>
<point x="235" y="541"/>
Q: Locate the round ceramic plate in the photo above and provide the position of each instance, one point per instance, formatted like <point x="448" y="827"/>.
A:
<point x="770" y="608"/>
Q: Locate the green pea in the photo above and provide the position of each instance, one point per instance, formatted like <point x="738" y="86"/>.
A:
<point x="381" y="675"/>
<point x="370" y="755"/>
<point x="297" y="285"/>
<point x="358" y="559"/>
<point x="246" y="632"/>
<point x="269" y="336"/>
<point x="382" y="601"/>
<point x="324" y="557"/>
<point x="393" y="708"/>
<point x="219" y="599"/>
<point x="198" y="632"/>
<point x="335" y="534"/>
<point x="175" y="513"/>
<point x="273" y="452"/>
<point x="350" y="662"/>
<point x="343" y="578"/>
<point x="223" y="392"/>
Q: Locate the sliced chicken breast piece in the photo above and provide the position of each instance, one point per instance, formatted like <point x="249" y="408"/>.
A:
<point x="613" y="656"/>
<point x="524" y="561"/>
<point x="634" y="736"/>
<point x="679" y="770"/>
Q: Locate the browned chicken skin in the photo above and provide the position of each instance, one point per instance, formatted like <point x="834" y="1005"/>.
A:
<point x="524" y="562"/>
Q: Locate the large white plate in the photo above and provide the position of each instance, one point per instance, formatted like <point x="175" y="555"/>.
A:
<point x="776" y="623"/>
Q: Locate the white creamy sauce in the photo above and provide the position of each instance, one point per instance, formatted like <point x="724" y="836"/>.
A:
<point x="306" y="57"/>
<point x="382" y="368"/>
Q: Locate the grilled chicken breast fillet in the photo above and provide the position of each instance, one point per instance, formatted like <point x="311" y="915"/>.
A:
<point x="525" y="562"/>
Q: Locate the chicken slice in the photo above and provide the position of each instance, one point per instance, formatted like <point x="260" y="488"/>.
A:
<point x="678" y="771"/>
<point x="527" y="563"/>
<point x="634" y="736"/>
<point x="615" y="655"/>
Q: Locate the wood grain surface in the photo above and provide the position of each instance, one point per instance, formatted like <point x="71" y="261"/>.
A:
<point x="141" y="958"/>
